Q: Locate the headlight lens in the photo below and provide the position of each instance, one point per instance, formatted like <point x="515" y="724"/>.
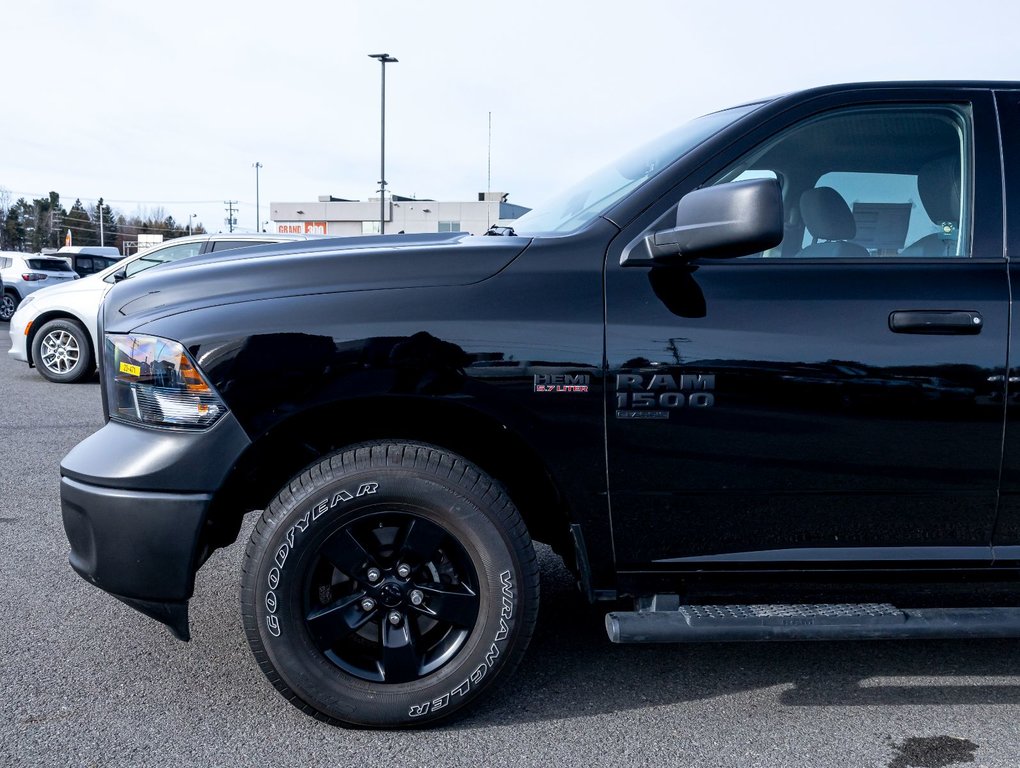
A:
<point x="153" y="381"/>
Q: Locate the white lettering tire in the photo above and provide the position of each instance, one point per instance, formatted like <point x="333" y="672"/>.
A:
<point x="389" y="586"/>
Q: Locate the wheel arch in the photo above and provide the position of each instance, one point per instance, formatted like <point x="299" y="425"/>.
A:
<point x="57" y="314"/>
<point x="492" y="445"/>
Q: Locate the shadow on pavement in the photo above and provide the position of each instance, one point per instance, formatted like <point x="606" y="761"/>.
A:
<point x="571" y="669"/>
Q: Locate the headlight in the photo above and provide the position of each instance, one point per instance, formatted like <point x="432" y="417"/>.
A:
<point x="153" y="381"/>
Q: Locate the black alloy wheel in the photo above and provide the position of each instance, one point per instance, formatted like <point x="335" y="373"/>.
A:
<point x="392" y="597"/>
<point x="389" y="585"/>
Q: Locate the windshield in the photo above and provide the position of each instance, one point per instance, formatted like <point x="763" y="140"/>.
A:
<point x="584" y="202"/>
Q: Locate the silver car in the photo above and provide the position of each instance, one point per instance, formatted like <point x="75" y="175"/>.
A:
<point x="25" y="273"/>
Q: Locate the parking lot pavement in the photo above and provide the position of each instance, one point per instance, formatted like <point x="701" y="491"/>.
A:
<point x="87" y="681"/>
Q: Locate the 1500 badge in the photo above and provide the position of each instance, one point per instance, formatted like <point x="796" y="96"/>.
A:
<point x="653" y="396"/>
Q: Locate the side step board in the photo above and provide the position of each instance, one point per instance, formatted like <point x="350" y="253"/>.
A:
<point x="666" y="621"/>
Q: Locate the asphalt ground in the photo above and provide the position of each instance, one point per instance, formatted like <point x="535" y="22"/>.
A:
<point x="87" y="681"/>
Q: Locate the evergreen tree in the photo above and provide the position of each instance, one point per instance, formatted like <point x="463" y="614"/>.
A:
<point x="51" y="219"/>
<point x="104" y="214"/>
<point x="12" y="236"/>
<point x="83" y="232"/>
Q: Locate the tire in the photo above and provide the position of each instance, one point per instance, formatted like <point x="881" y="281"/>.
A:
<point x="436" y="635"/>
<point x="9" y="302"/>
<point x="62" y="352"/>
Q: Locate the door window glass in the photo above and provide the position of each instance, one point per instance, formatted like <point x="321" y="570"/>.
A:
<point x="158" y="256"/>
<point x="870" y="182"/>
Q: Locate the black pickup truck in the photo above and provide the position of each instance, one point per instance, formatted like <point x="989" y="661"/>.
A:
<point x="754" y="381"/>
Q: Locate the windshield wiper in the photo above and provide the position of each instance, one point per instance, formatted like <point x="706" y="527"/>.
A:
<point x="497" y="231"/>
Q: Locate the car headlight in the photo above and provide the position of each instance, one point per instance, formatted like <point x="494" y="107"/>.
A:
<point x="153" y="381"/>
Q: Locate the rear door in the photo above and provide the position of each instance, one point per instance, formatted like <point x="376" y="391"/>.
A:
<point x="840" y="398"/>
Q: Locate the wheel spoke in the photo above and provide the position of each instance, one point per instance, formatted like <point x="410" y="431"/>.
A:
<point x="460" y="608"/>
<point x="347" y="555"/>
<point x="400" y="661"/>
<point x="333" y="623"/>
<point x="59" y="351"/>
<point x="421" y="540"/>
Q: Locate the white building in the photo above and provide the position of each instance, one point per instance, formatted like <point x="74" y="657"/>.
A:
<point x="334" y="216"/>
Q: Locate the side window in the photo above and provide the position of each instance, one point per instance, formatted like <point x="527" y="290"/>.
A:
<point x="158" y="256"/>
<point x="870" y="182"/>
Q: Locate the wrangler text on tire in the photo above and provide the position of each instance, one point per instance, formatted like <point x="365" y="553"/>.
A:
<point x="389" y="585"/>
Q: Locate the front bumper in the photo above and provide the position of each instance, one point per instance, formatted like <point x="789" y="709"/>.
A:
<point x="138" y="546"/>
<point x="19" y="342"/>
<point x="135" y="502"/>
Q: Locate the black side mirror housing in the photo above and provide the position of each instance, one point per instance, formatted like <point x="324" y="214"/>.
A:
<point x="719" y="222"/>
<point x="120" y="274"/>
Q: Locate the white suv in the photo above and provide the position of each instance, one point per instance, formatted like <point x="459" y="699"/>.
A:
<point x="55" y="330"/>
<point x="25" y="273"/>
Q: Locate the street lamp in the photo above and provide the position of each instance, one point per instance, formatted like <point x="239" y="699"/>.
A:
<point x="256" y="166"/>
<point x="384" y="59"/>
<point x="190" y="217"/>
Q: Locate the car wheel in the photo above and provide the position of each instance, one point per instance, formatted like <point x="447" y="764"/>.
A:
<point x="389" y="585"/>
<point x="8" y="305"/>
<point x="62" y="352"/>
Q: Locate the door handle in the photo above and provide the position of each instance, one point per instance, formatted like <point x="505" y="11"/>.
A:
<point x="936" y="322"/>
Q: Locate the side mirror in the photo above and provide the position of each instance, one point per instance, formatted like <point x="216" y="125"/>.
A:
<point x="720" y="222"/>
<point x="120" y="274"/>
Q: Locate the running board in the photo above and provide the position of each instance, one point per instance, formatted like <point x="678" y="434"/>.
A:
<point x="669" y="622"/>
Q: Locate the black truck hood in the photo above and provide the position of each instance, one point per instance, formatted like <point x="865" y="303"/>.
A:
<point x="335" y="265"/>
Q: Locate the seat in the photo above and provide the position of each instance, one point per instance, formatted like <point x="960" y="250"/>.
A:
<point x="827" y="217"/>
<point x="938" y="184"/>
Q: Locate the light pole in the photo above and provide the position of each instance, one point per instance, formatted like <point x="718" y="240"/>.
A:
<point x="190" y="217"/>
<point x="256" y="166"/>
<point x="384" y="59"/>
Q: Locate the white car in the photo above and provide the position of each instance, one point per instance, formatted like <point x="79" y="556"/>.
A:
<point x="55" y="329"/>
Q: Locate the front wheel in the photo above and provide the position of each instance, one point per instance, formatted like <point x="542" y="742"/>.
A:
<point x="389" y="585"/>
<point x="62" y="352"/>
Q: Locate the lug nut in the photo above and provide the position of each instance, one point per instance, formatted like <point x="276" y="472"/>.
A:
<point x="367" y="604"/>
<point x="403" y="570"/>
<point x="394" y="618"/>
<point x="416" y="597"/>
<point x="373" y="575"/>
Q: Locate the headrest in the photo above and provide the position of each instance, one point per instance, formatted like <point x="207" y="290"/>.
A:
<point x="826" y="214"/>
<point x="938" y="184"/>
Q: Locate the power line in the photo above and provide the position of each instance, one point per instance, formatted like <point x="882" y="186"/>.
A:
<point x="45" y="195"/>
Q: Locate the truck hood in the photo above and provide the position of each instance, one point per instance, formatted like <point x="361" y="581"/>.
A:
<point x="292" y="269"/>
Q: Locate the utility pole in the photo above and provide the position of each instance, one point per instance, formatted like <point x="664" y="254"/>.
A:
<point x="384" y="59"/>
<point x="230" y="221"/>
<point x="102" y="240"/>
<point x="258" y="217"/>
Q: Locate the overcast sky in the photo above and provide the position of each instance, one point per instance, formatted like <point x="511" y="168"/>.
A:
<point x="169" y="104"/>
